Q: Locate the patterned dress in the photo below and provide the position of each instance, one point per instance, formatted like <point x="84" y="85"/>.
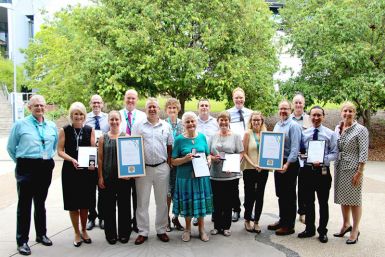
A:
<point x="353" y="146"/>
<point x="193" y="196"/>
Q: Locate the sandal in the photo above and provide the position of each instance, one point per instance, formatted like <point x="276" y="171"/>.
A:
<point x="186" y="236"/>
<point x="226" y="232"/>
<point x="203" y="236"/>
<point x="257" y="228"/>
<point x="248" y="226"/>
<point x="214" y="231"/>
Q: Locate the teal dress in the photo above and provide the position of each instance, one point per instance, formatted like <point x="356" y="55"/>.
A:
<point x="193" y="196"/>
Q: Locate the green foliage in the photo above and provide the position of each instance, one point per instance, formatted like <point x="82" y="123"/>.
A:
<point x="183" y="49"/>
<point x="6" y="74"/>
<point x="342" y="48"/>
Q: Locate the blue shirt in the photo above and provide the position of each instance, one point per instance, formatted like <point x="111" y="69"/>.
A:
<point x="292" y="138"/>
<point x="31" y="139"/>
<point x="330" y="138"/>
<point x="103" y="121"/>
<point x="235" y="117"/>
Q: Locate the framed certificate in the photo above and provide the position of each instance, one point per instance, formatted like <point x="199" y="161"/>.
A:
<point x="130" y="157"/>
<point x="316" y="151"/>
<point x="271" y="148"/>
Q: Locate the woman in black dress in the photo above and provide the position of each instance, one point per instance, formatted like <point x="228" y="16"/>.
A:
<point x="77" y="182"/>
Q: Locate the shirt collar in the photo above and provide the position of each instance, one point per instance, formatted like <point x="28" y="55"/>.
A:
<point x="36" y="122"/>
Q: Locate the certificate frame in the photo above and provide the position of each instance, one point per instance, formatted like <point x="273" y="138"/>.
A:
<point x="271" y="155"/>
<point x="313" y="153"/>
<point x="134" y="165"/>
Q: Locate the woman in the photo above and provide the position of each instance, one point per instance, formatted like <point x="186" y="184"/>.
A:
<point x="253" y="176"/>
<point x="353" y="144"/>
<point x="77" y="182"/>
<point x="115" y="190"/>
<point x="172" y="109"/>
<point x="193" y="196"/>
<point x="224" y="184"/>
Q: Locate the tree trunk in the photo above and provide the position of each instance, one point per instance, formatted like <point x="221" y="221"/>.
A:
<point x="182" y="101"/>
<point x="367" y="119"/>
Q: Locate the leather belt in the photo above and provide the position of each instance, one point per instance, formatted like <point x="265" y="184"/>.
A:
<point x="155" y="165"/>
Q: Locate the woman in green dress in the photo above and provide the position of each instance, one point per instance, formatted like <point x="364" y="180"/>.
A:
<point x="193" y="195"/>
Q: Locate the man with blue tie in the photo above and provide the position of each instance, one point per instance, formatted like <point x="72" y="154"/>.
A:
<point x="317" y="178"/>
<point x="99" y="121"/>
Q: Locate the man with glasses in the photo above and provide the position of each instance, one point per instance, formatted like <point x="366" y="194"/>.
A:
<point x="32" y="145"/>
<point x="99" y="121"/>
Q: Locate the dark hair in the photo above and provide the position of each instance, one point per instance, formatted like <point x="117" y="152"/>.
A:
<point x="317" y="107"/>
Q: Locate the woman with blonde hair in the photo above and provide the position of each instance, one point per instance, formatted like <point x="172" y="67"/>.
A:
<point x="78" y="183"/>
<point x="353" y="146"/>
<point x="253" y="176"/>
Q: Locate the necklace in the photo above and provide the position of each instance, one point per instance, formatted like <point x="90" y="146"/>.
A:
<point x="191" y="137"/>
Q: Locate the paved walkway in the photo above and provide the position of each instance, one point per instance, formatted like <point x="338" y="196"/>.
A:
<point x="241" y="243"/>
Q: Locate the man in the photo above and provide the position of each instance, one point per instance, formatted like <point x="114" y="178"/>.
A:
<point x="239" y="117"/>
<point x="32" y="145"/>
<point x="286" y="178"/>
<point x="158" y="140"/>
<point x="299" y="115"/>
<point x="131" y="116"/>
<point x="316" y="175"/>
<point x="99" y="121"/>
<point x="207" y="124"/>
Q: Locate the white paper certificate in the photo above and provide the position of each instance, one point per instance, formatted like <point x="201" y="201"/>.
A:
<point x="201" y="168"/>
<point x="129" y="152"/>
<point x="87" y="154"/>
<point x="316" y="151"/>
<point x="232" y="163"/>
<point x="271" y="147"/>
<point x="238" y="127"/>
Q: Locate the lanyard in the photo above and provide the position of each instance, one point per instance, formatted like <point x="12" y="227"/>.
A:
<point x="174" y="127"/>
<point x="129" y="125"/>
<point x="78" y="137"/>
<point x="41" y="131"/>
<point x="256" y="140"/>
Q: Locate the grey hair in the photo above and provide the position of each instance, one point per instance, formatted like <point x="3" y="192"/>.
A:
<point x="35" y="98"/>
<point x="187" y="115"/>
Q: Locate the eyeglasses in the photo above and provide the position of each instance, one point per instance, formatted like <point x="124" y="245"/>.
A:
<point x="97" y="102"/>
<point x="38" y="105"/>
<point x="204" y="105"/>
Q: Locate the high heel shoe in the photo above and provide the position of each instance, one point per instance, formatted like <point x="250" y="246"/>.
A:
<point x="168" y="228"/>
<point x="352" y="242"/>
<point x="177" y="224"/>
<point x="343" y="233"/>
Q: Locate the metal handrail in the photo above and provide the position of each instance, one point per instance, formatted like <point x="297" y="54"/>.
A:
<point x="5" y="92"/>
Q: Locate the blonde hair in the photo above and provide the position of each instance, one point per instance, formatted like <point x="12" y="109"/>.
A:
<point x="254" y="113"/>
<point x="350" y="105"/>
<point x="114" y="112"/>
<point x="77" y="106"/>
<point x="238" y="89"/>
<point x="172" y="101"/>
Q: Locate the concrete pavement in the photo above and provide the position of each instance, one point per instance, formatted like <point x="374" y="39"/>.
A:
<point x="240" y="243"/>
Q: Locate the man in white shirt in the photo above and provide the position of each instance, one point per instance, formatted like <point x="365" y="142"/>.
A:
<point x="157" y="140"/>
<point x="131" y="116"/>
<point x="207" y="124"/>
<point x="99" y="121"/>
<point x="239" y="117"/>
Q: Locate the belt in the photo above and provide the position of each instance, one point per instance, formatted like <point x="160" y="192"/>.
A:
<point x="155" y="165"/>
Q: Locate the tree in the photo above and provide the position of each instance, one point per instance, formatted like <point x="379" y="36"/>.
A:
<point x="6" y="74"/>
<point x="184" y="49"/>
<point x="342" y="47"/>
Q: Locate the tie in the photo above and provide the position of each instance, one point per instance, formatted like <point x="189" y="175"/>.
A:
<point x="128" y="130"/>
<point x="241" y="118"/>
<point x="315" y="134"/>
<point x="97" y="124"/>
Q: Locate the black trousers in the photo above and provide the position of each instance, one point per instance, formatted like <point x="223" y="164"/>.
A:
<point x="254" y="186"/>
<point x="224" y="193"/>
<point x="316" y="183"/>
<point x="237" y="201"/>
<point x="117" y="193"/>
<point x="92" y="213"/>
<point x="134" y="205"/>
<point x="301" y="192"/>
<point x="285" y="189"/>
<point x="33" y="180"/>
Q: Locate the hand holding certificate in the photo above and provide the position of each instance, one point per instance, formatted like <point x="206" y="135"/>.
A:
<point x="200" y="166"/>
<point x="316" y="151"/>
<point x="87" y="157"/>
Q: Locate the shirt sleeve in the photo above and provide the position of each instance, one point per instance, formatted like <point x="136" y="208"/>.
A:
<point x="238" y="144"/>
<point x="363" y="145"/>
<point x="332" y="151"/>
<point x="13" y="141"/>
<point x="175" y="148"/>
<point x="295" y="133"/>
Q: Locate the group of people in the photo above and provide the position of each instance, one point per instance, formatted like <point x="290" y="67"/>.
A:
<point x="170" y="147"/>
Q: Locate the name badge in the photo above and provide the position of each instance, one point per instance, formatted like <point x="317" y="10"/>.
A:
<point x="45" y="155"/>
<point x="324" y="171"/>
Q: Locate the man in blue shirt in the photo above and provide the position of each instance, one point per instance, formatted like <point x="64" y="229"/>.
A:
<point x="286" y="178"/>
<point x="99" y="121"/>
<point x="32" y="145"/>
<point x="317" y="178"/>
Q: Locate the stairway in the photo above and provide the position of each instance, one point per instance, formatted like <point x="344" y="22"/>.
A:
<point x="5" y="115"/>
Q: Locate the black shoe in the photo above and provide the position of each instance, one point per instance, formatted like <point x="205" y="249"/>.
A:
<point x="123" y="240"/>
<point x="323" y="238"/>
<point x="24" y="249"/>
<point x="44" y="240"/>
<point x="176" y="223"/>
<point x="86" y="240"/>
<point x="343" y="233"/>
<point x="236" y="216"/>
<point x="90" y="224"/>
<point x="111" y="241"/>
<point x="274" y="226"/>
<point x="101" y="224"/>
<point x="352" y="242"/>
<point x="77" y="244"/>
<point x="306" y="234"/>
